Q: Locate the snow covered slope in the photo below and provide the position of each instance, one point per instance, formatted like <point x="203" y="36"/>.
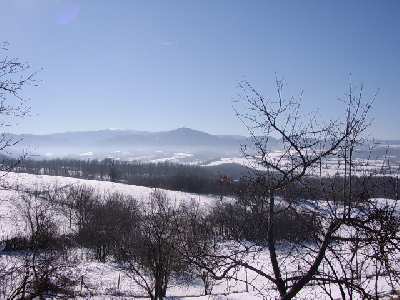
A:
<point x="30" y="181"/>
<point x="11" y="182"/>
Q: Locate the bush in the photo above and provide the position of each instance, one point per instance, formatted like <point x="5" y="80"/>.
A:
<point x="239" y="222"/>
<point x="106" y="223"/>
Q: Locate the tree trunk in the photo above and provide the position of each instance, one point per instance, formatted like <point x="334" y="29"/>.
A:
<point x="271" y="247"/>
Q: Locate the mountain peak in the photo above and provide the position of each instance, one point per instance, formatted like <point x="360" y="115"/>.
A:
<point x="187" y="130"/>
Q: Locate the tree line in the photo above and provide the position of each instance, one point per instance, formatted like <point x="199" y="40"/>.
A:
<point x="196" y="179"/>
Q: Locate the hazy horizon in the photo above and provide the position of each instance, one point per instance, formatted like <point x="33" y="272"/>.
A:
<point x="158" y="131"/>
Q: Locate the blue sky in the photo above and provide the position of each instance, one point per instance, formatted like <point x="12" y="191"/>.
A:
<point x="158" y="65"/>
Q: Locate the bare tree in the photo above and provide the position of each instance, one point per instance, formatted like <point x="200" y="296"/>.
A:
<point x="43" y="265"/>
<point x="149" y="250"/>
<point x="15" y="76"/>
<point x="306" y="146"/>
<point x="109" y="220"/>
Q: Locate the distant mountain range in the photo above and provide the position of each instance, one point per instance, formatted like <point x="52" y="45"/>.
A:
<point x="131" y="143"/>
<point x="130" y="138"/>
<point x="178" y="145"/>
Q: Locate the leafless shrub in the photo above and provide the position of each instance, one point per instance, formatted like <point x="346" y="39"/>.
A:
<point x="149" y="251"/>
<point x="38" y="274"/>
<point x="107" y="222"/>
<point x="39" y="262"/>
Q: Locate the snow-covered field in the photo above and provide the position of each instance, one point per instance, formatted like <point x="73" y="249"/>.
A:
<point x="330" y="167"/>
<point x="11" y="182"/>
<point x="31" y="181"/>
<point x="101" y="278"/>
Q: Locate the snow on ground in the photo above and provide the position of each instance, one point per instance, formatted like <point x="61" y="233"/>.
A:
<point x="22" y="181"/>
<point x="90" y="153"/>
<point x="229" y="160"/>
<point x="101" y="282"/>
<point x="176" y="158"/>
<point x="101" y="278"/>
<point x="31" y="181"/>
<point x="330" y="167"/>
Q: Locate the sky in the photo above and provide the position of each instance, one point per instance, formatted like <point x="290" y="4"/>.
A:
<point x="159" y="65"/>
